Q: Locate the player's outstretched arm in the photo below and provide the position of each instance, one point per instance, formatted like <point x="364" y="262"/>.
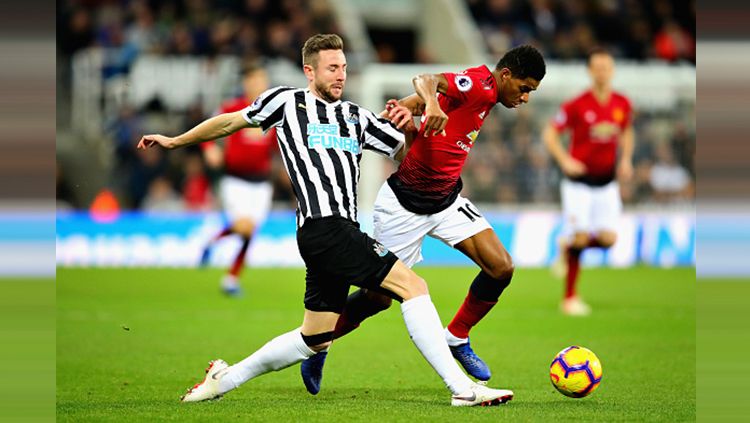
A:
<point x="427" y="86"/>
<point x="216" y="127"/>
<point x="570" y="166"/>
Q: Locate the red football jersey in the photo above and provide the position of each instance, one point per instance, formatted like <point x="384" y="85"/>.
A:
<point x="248" y="152"/>
<point x="432" y="167"/>
<point x="595" y="131"/>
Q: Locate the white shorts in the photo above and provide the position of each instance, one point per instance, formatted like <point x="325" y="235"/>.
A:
<point x="241" y="198"/>
<point x="590" y="209"/>
<point x="402" y="231"/>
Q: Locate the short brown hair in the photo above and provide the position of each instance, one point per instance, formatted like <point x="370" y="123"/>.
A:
<point x="595" y="51"/>
<point x="317" y="43"/>
<point x="250" y="67"/>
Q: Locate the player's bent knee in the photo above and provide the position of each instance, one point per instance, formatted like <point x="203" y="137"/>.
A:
<point x="607" y="239"/>
<point x="501" y="269"/>
<point x="580" y="241"/>
<point x="403" y="283"/>
<point x="415" y="287"/>
<point x="244" y="227"/>
<point x="506" y="273"/>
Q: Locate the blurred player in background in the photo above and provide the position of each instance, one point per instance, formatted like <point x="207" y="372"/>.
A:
<point x="599" y="121"/>
<point x="321" y="140"/>
<point x="244" y="188"/>
<point x="423" y="196"/>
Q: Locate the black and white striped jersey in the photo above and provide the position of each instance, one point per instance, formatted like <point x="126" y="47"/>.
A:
<point x="321" y="144"/>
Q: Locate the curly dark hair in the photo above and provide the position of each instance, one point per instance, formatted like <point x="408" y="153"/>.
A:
<point x="523" y="62"/>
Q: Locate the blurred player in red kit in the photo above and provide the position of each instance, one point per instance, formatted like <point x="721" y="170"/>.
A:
<point x="422" y="198"/>
<point x="599" y="121"/>
<point x="245" y="188"/>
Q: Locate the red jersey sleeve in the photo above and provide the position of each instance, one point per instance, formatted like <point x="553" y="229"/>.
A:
<point x="563" y="118"/>
<point x="464" y="87"/>
<point x="274" y="145"/>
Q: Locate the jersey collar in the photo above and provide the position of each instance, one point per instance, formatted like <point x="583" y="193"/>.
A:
<point x="494" y="82"/>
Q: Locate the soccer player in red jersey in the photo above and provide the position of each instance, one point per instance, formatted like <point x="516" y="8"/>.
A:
<point x="244" y="188"/>
<point x="423" y="196"/>
<point x="599" y="121"/>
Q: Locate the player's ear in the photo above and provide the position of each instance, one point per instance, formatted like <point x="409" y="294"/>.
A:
<point x="506" y="74"/>
<point x="309" y="72"/>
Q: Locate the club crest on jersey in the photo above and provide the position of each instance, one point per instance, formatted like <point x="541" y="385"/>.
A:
<point x="352" y="118"/>
<point x="561" y="117"/>
<point x="379" y="249"/>
<point x="618" y="115"/>
<point x="463" y="83"/>
<point x="589" y="116"/>
<point x="326" y="135"/>
<point x="256" y="104"/>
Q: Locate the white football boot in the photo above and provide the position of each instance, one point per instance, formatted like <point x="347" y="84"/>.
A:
<point x="482" y="396"/>
<point x="574" y="306"/>
<point x="209" y="388"/>
<point x="230" y="286"/>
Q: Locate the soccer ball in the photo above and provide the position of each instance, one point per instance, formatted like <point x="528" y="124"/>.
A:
<point x="575" y="372"/>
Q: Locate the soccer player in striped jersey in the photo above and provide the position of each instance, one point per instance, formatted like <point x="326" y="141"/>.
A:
<point x="422" y="198"/>
<point x="321" y="139"/>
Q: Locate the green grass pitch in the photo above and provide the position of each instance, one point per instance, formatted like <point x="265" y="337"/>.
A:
<point x="130" y="341"/>
<point x="722" y="344"/>
<point x="27" y="339"/>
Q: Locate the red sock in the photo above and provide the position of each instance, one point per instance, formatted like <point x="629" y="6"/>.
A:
<point x="344" y="326"/>
<point x="574" y="266"/>
<point x="468" y="315"/>
<point x="239" y="261"/>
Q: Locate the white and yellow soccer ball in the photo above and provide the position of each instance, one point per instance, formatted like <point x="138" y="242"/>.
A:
<point x="576" y="372"/>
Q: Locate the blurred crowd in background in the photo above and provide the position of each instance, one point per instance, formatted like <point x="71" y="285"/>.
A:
<point x="568" y="29"/>
<point x="510" y="165"/>
<point x="246" y="28"/>
<point x="634" y="29"/>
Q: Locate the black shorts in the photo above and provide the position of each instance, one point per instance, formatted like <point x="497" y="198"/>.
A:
<point x="337" y="254"/>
